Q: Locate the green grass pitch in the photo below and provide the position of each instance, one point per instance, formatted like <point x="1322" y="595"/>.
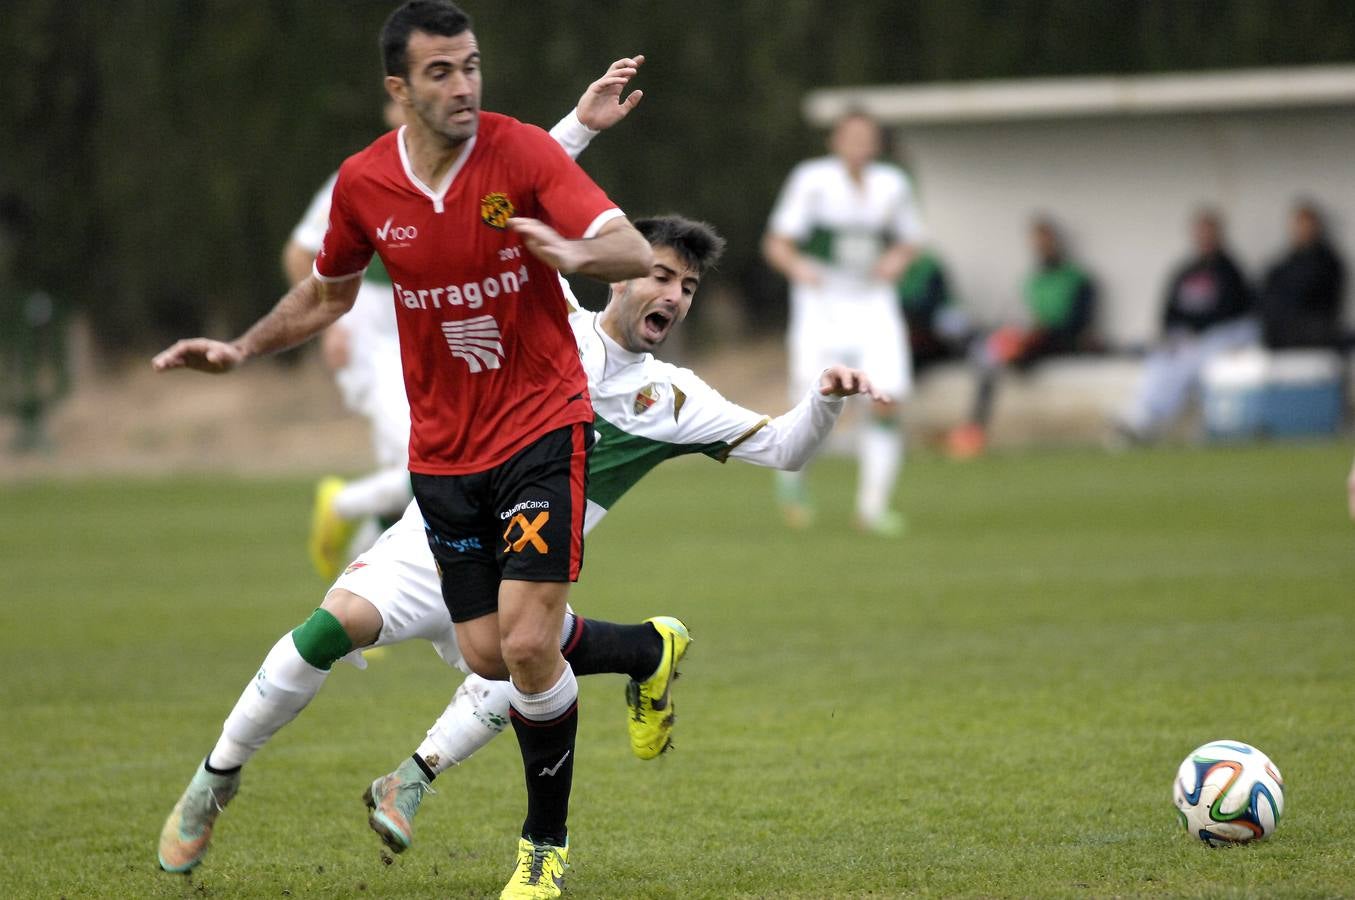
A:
<point x="993" y="706"/>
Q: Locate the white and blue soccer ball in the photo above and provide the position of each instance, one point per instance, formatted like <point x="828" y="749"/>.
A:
<point x="1228" y="792"/>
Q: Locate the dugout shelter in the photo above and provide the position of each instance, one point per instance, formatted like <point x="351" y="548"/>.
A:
<point x="1120" y="163"/>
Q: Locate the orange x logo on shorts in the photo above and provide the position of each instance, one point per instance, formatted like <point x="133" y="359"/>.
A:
<point x="530" y="533"/>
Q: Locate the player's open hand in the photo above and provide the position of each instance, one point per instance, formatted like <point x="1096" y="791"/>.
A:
<point x="601" y="105"/>
<point x="840" y="381"/>
<point x="547" y="244"/>
<point x="203" y="354"/>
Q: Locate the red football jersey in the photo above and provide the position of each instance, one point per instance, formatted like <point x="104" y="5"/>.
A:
<point x="490" y="361"/>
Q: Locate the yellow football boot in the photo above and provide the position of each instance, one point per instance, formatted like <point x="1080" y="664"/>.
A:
<point x="540" y="873"/>
<point x="330" y="534"/>
<point x="651" y="700"/>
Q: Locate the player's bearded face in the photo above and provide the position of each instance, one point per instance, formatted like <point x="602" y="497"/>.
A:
<point x="647" y="309"/>
<point x="444" y="84"/>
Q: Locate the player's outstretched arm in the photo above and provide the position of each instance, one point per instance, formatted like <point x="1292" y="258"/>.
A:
<point x="618" y="252"/>
<point x="791" y="440"/>
<point x="304" y="311"/>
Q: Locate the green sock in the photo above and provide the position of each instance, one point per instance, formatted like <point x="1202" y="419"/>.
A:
<point x="321" y="640"/>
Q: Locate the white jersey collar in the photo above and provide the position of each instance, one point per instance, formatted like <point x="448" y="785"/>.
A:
<point x="436" y="195"/>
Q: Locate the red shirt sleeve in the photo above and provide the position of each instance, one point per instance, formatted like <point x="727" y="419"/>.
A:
<point x="345" y="251"/>
<point x="570" y="201"/>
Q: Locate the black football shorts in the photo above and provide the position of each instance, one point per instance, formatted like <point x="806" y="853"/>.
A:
<point x="521" y="520"/>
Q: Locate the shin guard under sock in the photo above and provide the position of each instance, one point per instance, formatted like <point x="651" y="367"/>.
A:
<point x="546" y="725"/>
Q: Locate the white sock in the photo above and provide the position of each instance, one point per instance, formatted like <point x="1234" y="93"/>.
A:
<point x="281" y="689"/>
<point x="552" y="703"/>
<point x="478" y="711"/>
<point x="880" y="454"/>
<point x="383" y="493"/>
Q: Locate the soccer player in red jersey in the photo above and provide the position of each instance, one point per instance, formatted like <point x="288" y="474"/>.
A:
<point x="471" y="213"/>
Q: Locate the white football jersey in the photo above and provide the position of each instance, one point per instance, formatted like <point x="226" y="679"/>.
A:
<point x="843" y="224"/>
<point x="648" y="411"/>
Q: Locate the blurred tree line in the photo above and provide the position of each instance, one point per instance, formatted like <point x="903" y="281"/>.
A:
<point x="156" y="153"/>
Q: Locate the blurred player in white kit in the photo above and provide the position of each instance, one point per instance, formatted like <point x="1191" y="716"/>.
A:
<point x="843" y="231"/>
<point x="362" y="349"/>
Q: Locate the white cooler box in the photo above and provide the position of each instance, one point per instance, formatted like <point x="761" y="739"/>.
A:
<point x="1293" y="393"/>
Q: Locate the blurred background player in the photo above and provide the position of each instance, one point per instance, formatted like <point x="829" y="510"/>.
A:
<point x="842" y="233"/>
<point x="1060" y="300"/>
<point x="362" y="349"/>
<point x="1301" y="296"/>
<point x="937" y="329"/>
<point x="1209" y="310"/>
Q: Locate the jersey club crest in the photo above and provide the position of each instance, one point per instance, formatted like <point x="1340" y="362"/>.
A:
<point x="496" y="209"/>
<point x="645" y="398"/>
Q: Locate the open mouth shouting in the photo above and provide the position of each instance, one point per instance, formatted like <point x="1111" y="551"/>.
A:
<point x="654" y="327"/>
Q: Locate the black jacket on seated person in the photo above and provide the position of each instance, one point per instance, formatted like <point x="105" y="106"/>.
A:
<point x="1207" y="291"/>
<point x="1301" y="301"/>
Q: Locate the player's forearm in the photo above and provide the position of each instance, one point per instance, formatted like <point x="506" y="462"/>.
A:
<point x="783" y="256"/>
<point x="790" y="441"/>
<point x="617" y="253"/>
<point x="780" y="254"/>
<point x="894" y="261"/>
<point x="303" y="312"/>
<point x="572" y="134"/>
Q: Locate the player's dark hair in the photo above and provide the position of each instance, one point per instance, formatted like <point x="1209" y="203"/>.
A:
<point x="438" y="17"/>
<point x="697" y="243"/>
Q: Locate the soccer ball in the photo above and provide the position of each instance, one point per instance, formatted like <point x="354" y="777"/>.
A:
<point x="1228" y="792"/>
